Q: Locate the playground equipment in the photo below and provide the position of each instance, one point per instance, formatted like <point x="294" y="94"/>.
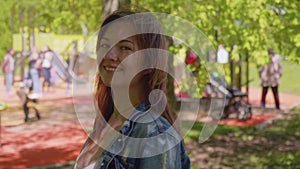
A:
<point x="64" y="71"/>
<point x="30" y="100"/>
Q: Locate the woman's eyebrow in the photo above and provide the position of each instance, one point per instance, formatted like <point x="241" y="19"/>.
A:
<point x="124" y="40"/>
<point x="127" y="40"/>
<point x="104" y="38"/>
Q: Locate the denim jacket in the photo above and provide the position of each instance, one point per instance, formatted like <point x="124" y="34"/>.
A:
<point x="147" y="141"/>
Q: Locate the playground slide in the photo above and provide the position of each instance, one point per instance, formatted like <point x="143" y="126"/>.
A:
<point x="62" y="69"/>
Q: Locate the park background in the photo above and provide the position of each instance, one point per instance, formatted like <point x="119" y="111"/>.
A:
<point x="246" y="29"/>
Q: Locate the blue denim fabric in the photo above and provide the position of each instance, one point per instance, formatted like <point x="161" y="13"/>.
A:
<point x="47" y="75"/>
<point x="37" y="86"/>
<point x="165" y="149"/>
<point x="9" y="81"/>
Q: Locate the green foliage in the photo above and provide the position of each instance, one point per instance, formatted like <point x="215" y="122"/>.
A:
<point x="5" y="26"/>
<point x="198" y="78"/>
<point x="246" y="28"/>
<point x="251" y="25"/>
<point x="57" y="16"/>
<point x="66" y="17"/>
<point x="60" y="17"/>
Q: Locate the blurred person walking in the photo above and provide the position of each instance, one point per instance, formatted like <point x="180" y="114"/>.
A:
<point x="222" y="55"/>
<point x="8" y="67"/>
<point x="34" y="66"/>
<point x="270" y="77"/>
<point x="46" y="67"/>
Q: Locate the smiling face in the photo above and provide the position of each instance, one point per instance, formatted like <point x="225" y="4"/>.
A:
<point x="115" y="45"/>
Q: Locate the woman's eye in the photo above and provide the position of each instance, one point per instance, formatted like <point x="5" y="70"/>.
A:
<point x="126" y="48"/>
<point x="105" y="45"/>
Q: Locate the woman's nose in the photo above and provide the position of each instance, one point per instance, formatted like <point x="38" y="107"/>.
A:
<point x="112" y="54"/>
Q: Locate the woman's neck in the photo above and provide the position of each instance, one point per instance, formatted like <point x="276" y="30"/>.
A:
<point x="125" y="102"/>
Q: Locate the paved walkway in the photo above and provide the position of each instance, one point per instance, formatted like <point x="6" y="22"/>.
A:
<point x="40" y="143"/>
<point x="58" y="137"/>
<point x="287" y="101"/>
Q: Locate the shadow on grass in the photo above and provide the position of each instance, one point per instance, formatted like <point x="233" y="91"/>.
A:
<point x="277" y="146"/>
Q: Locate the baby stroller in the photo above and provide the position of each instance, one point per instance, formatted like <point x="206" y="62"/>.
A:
<point x="233" y="101"/>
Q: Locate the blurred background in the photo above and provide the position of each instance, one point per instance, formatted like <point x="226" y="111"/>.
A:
<point x="244" y="28"/>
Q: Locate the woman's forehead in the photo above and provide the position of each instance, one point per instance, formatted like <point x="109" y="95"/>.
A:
<point x="118" y="31"/>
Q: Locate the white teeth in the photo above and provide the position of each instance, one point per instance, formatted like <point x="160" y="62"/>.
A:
<point x="110" y="68"/>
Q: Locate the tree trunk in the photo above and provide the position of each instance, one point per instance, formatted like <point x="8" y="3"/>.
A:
<point x="22" y="64"/>
<point x="109" y="6"/>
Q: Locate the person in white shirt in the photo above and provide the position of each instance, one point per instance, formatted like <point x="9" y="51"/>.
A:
<point x="222" y="55"/>
<point x="46" y="66"/>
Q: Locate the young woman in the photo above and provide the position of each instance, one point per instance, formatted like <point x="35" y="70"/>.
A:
<point x="135" y="127"/>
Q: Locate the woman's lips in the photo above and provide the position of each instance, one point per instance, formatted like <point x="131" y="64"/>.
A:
<point x="112" y="68"/>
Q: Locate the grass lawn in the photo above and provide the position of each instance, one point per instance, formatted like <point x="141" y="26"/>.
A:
<point x="277" y="146"/>
<point x="290" y="82"/>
